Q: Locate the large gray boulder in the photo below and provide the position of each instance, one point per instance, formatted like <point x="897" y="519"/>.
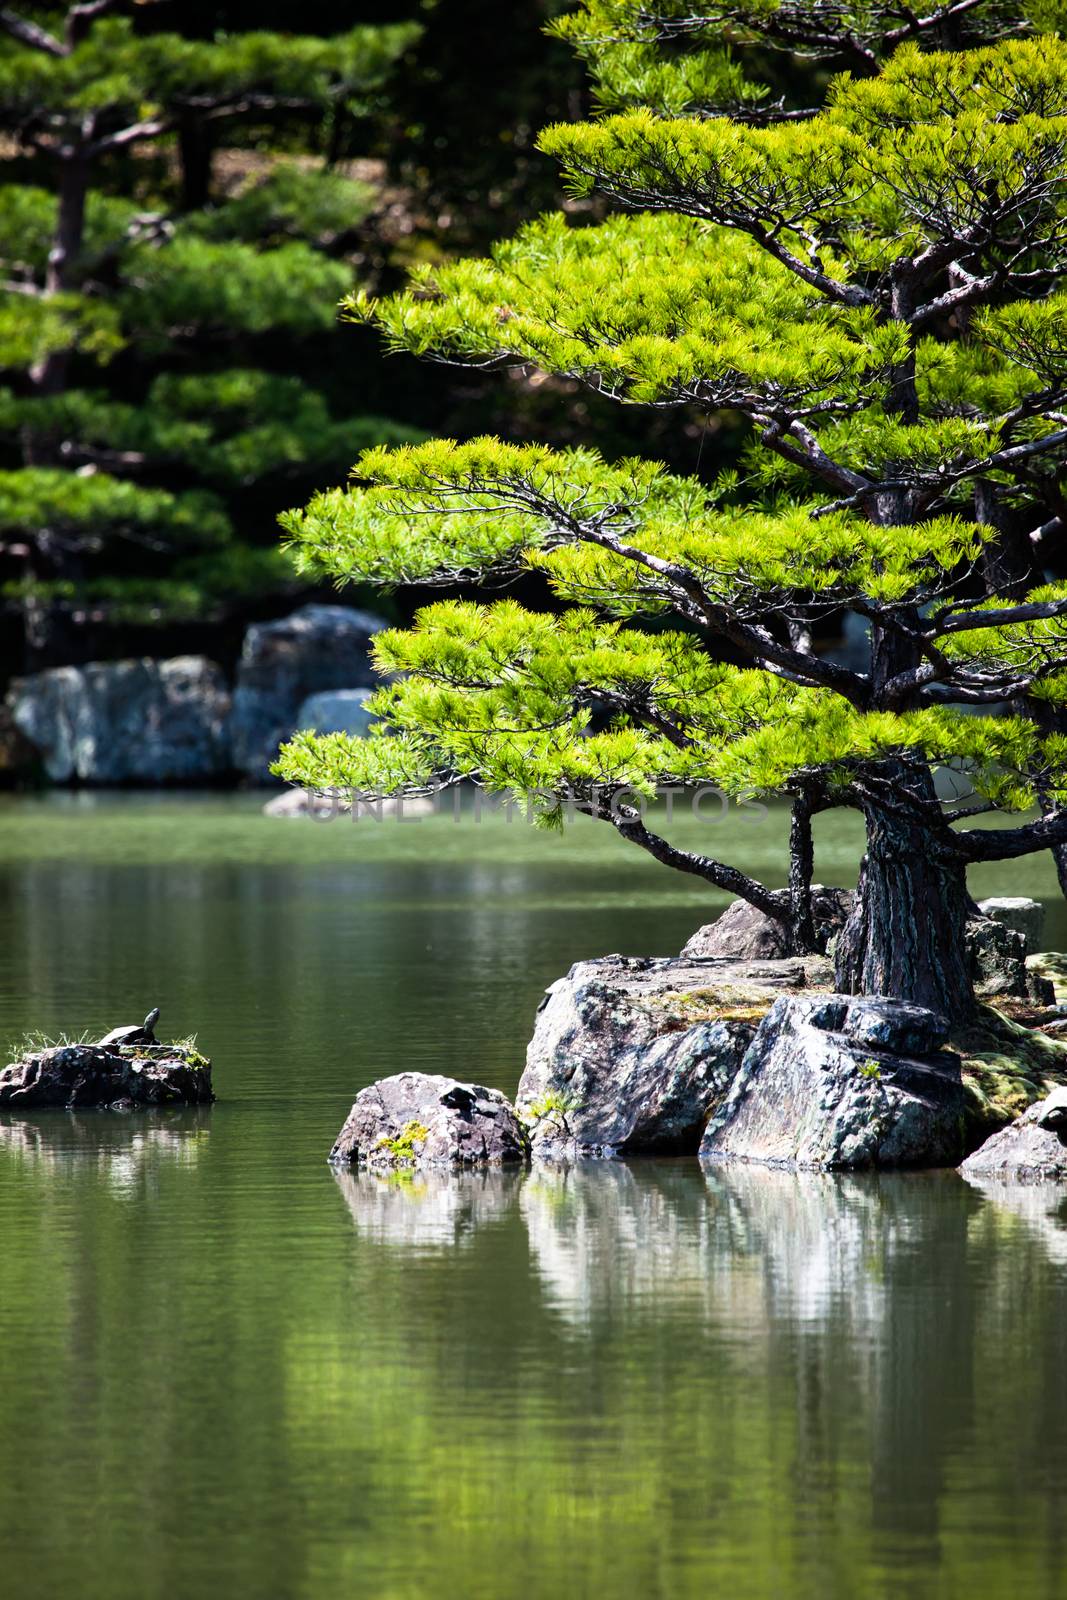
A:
<point x="109" y="1077"/>
<point x="282" y="664"/>
<point x="337" y="711"/>
<point x="838" y="1081"/>
<point x="417" y="1119"/>
<point x="144" y="721"/>
<point x="744" y="933"/>
<point x="1032" y="1149"/>
<point x="1023" y="916"/>
<point x="631" y="1054"/>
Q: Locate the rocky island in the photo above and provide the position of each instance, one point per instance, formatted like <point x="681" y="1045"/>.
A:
<point x="752" y="1056"/>
<point x="125" y="1070"/>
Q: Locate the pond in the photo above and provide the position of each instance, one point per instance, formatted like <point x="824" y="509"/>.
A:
<point x="225" y="1370"/>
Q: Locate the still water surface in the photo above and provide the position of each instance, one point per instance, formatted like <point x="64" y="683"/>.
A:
<point x="225" y="1371"/>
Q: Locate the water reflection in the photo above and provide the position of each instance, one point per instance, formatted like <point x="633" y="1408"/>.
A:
<point x="125" y="1152"/>
<point x="863" y="1319"/>
<point x="427" y="1210"/>
<point x="1041" y="1209"/>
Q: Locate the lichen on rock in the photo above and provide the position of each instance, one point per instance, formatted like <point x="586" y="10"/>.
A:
<point x="419" y="1120"/>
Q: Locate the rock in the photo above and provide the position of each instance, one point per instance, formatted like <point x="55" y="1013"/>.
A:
<point x="742" y="933"/>
<point x="895" y="1026"/>
<point x="998" y="958"/>
<point x="330" y="808"/>
<point x="1052" y="1111"/>
<point x="633" y="1054"/>
<point x="96" y="1075"/>
<point x="417" y="1119"/>
<point x="337" y="711"/>
<point x="1018" y="913"/>
<point x="143" y="721"/>
<point x="815" y="1091"/>
<point x="283" y="663"/>
<point x="18" y="757"/>
<point x="1052" y="966"/>
<point x="1032" y="1149"/>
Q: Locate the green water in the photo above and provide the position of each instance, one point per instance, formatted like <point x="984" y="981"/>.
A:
<point x="225" y="1371"/>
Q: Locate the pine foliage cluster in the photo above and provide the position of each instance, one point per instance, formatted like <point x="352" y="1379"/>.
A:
<point x="148" y="311"/>
<point x="872" y="281"/>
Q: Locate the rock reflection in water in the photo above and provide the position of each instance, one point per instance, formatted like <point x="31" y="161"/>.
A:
<point x="1040" y="1207"/>
<point x="427" y="1210"/>
<point x="124" y="1150"/>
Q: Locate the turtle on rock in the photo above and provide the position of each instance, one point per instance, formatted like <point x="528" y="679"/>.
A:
<point x="132" y="1034"/>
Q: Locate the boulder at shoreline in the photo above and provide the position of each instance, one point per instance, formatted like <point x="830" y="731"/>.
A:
<point x="631" y="1054"/>
<point x="1032" y="1149"/>
<point x="840" y="1081"/>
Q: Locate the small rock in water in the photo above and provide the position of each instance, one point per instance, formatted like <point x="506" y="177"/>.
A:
<point x="417" y="1119"/>
<point x="110" y="1076"/>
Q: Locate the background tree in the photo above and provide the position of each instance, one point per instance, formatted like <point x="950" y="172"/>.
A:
<point x="159" y="298"/>
<point x="875" y="287"/>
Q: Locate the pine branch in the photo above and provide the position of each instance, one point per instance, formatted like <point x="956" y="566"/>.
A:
<point x="29" y="33"/>
<point x="966" y="621"/>
<point x="628" y="824"/>
<point x="1007" y="844"/>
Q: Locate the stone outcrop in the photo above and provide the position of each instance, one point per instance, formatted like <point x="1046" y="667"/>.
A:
<point x="632" y="1054"/>
<point x="283" y="663"/>
<point x="115" y="722"/>
<point x="1023" y="916"/>
<point x="75" y="1075"/>
<point x="998" y="960"/>
<point x="1032" y="1149"/>
<point x="417" y="1119"/>
<point x="743" y="933"/>
<point x="841" y="1082"/>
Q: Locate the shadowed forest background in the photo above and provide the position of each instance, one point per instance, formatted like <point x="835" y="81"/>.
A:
<point x="215" y="386"/>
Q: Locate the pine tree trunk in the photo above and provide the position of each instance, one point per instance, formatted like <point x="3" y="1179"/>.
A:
<point x="906" y="936"/>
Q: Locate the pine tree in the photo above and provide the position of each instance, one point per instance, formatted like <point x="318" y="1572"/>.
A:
<point x="140" y="293"/>
<point x="873" y="282"/>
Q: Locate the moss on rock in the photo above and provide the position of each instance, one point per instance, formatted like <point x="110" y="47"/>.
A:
<point x="1006" y="1067"/>
<point x="1051" y="964"/>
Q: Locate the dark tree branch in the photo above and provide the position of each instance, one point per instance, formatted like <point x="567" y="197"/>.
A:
<point x="1005" y="844"/>
<point x="628" y="824"/>
<point x="27" y="32"/>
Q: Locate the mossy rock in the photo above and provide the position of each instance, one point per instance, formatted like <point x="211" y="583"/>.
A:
<point x="1051" y="964"/>
<point x="725" y="1002"/>
<point x="1006" y="1068"/>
